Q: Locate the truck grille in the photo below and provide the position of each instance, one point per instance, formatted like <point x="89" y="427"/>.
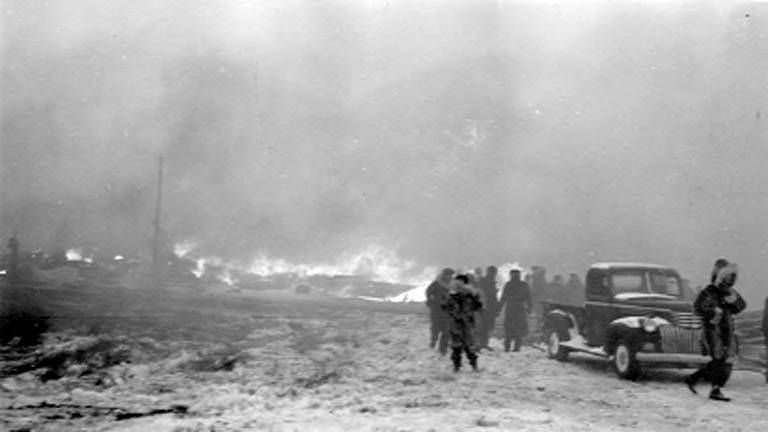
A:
<point x="686" y="320"/>
<point x="680" y="340"/>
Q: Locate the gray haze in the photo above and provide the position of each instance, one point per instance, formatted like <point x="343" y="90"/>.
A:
<point x="455" y="132"/>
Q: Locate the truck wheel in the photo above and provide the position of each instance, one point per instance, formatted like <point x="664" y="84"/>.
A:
<point x="554" y="349"/>
<point x="625" y="362"/>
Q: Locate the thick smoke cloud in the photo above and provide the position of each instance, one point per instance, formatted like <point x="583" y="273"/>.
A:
<point x="557" y="134"/>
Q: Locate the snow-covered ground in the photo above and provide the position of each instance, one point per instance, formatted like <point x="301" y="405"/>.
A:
<point x="285" y="362"/>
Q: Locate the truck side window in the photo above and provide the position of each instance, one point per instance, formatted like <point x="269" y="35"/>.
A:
<point x="597" y="286"/>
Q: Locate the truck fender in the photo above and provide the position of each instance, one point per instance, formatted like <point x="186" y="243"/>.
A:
<point x="628" y="328"/>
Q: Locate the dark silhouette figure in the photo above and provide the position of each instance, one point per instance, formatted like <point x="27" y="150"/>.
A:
<point x="490" y="307"/>
<point x="439" y="319"/>
<point x="717" y="304"/>
<point x="461" y="304"/>
<point x="516" y="301"/>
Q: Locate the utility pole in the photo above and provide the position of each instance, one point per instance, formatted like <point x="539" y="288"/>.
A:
<point x="156" y="253"/>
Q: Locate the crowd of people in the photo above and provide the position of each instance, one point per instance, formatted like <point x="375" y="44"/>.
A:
<point x="464" y="308"/>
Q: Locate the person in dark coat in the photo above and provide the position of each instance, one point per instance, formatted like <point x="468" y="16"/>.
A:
<point x="717" y="304"/>
<point x="461" y="304"/>
<point x="490" y="307"/>
<point x="439" y="320"/>
<point x="478" y="274"/>
<point x="516" y="301"/>
<point x="765" y="336"/>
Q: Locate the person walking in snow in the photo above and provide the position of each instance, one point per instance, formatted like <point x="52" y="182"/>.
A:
<point x="517" y="304"/>
<point x="439" y="319"/>
<point x="461" y="304"/>
<point x="717" y="304"/>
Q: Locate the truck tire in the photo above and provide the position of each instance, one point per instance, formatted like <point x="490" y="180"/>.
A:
<point x="624" y="361"/>
<point x="555" y="334"/>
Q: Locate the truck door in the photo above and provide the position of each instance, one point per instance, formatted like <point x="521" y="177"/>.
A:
<point x="598" y="307"/>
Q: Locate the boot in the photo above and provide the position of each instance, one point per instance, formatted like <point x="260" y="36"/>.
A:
<point x="690" y="381"/>
<point x="716" y="394"/>
<point x="456" y="357"/>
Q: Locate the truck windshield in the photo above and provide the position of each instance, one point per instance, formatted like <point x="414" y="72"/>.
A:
<point x="645" y="282"/>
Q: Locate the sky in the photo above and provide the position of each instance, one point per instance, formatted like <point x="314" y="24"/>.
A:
<point x="454" y="133"/>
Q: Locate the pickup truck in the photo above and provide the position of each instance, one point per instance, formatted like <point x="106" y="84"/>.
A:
<point x="634" y="314"/>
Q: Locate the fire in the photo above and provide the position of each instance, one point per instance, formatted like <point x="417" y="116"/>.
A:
<point x="182" y="249"/>
<point x="227" y="278"/>
<point x="77" y="255"/>
<point x="373" y="262"/>
<point x="199" y="270"/>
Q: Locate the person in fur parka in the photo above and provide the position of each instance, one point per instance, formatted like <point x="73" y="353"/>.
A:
<point x="717" y="305"/>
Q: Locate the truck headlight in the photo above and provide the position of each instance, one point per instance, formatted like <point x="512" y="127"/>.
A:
<point x="650" y="325"/>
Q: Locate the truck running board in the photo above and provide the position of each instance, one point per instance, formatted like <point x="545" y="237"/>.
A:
<point x="648" y="358"/>
<point x="577" y="344"/>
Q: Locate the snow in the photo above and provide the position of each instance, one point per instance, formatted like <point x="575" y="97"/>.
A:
<point x="344" y="365"/>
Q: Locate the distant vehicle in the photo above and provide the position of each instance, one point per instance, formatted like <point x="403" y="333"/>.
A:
<point x="634" y="314"/>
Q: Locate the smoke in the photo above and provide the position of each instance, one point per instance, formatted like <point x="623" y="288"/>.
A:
<point x="454" y="134"/>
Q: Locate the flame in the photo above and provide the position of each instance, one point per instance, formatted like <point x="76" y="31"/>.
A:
<point x="373" y="262"/>
<point x="182" y="249"/>
<point x="77" y="255"/>
<point x="201" y="263"/>
<point x="226" y="277"/>
<point x="199" y="270"/>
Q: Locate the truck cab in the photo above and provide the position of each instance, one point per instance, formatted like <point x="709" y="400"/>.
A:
<point x="630" y="310"/>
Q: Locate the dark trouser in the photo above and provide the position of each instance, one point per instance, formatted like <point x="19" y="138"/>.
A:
<point x="456" y="356"/>
<point x="439" y="330"/>
<point x="462" y="341"/>
<point x="485" y="328"/>
<point x="717" y="371"/>
<point x="512" y="332"/>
